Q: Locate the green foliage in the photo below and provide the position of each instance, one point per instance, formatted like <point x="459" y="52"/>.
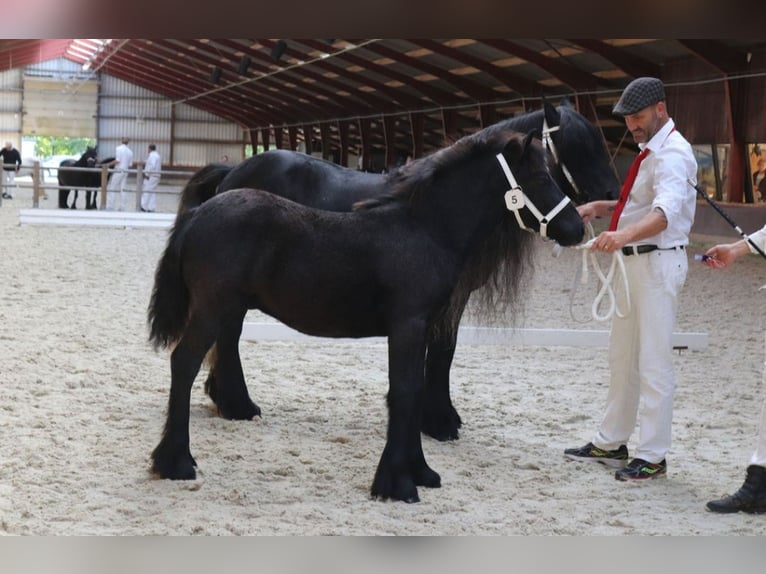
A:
<point x="46" y="146"/>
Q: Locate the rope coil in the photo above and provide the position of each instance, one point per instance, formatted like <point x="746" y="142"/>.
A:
<point x="605" y="281"/>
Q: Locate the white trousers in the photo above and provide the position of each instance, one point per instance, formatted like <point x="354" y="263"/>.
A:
<point x="9" y="181"/>
<point x="116" y="183"/>
<point x="148" y="197"/>
<point x="759" y="456"/>
<point x="641" y="355"/>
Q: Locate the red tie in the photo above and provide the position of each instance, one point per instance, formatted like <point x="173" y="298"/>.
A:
<point x="626" y="187"/>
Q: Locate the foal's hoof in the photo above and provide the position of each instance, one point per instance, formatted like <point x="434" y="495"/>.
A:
<point x="243" y="411"/>
<point x="399" y="486"/>
<point x="404" y="490"/>
<point x="173" y="466"/>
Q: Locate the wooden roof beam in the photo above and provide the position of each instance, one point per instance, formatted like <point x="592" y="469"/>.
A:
<point x="725" y="59"/>
<point x="632" y="65"/>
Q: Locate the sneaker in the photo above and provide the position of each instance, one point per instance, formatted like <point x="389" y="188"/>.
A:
<point x="591" y="453"/>
<point x="639" y="469"/>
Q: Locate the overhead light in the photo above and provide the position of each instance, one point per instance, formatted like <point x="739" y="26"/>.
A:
<point x="278" y="49"/>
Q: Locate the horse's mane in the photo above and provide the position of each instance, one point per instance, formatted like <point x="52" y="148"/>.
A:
<point x="505" y="264"/>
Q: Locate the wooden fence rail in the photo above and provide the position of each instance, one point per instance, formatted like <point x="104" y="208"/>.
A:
<point x="40" y="187"/>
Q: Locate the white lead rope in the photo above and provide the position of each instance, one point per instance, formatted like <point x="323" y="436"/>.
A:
<point x="606" y="290"/>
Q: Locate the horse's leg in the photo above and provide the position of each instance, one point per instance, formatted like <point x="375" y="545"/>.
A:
<point x="172" y="457"/>
<point x="63" y="198"/>
<point x="225" y="383"/>
<point x="440" y="419"/>
<point x="402" y="465"/>
<point x="74" y="201"/>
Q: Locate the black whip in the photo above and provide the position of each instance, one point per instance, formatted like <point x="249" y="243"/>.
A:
<point x="731" y="222"/>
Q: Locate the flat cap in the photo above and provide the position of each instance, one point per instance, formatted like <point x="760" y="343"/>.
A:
<point x="640" y="93"/>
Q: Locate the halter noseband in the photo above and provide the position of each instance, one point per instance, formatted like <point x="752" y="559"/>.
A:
<point x="516" y="199"/>
<point x="549" y="145"/>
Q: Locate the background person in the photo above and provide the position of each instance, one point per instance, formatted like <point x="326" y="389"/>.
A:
<point x="650" y="224"/>
<point x="11" y="160"/>
<point x="152" y="168"/>
<point x="751" y="497"/>
<point x="123" y="160"/>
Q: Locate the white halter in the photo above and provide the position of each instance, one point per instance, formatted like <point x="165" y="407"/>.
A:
<point x="516" y="199"/>
<point x="549" y="145"/>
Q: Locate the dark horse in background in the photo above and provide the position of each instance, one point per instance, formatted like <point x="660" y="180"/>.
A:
<point x="76" y="180"/>
<point x="581" y="168"/>
<point x="400" y="265"/>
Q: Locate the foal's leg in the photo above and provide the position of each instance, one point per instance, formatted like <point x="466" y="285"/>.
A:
<point x="172" y="457"/>
<point x="403" y="465"/>
<point x="440" y="419"/>
<point x="225" y="383"/>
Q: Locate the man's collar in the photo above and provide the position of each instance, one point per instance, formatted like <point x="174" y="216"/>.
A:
<point x="659" y="138"/>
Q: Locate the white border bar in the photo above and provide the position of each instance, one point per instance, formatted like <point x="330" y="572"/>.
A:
<point x="252" y="331"/>
<point x="95" y="218"/>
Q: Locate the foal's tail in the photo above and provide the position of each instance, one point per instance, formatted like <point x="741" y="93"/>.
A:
<point x="169" y="304"/>
<point x="202" y="186"/>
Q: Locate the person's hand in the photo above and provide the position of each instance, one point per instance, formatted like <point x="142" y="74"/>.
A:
<point x="720" y="256"/>
<point x="723" y="255"/>
<point x="587" y="211"/>
<point x="608" y="242"/>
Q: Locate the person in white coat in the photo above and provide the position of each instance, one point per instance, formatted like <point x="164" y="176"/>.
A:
<point x="751" y="497"/>
<point x="123" y="160"/>
<point x="152" y="168"/>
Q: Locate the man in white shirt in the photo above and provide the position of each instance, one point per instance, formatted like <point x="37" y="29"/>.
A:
<point x="650" y="225"/>
<point x="123" y="159"/>
<point x="152" y="168"/>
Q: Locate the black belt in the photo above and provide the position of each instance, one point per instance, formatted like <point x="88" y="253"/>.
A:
<point x="639" y="249"/>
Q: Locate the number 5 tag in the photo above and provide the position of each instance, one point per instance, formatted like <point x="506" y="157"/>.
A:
<point x="514" y="199"/>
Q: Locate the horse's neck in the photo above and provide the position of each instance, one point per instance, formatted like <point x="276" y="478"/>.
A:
<point x="464" y="206"/>
<point x="526" y="122"/>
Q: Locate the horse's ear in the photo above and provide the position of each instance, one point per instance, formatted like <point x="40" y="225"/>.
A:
<point x="552" y="115"/>
<point x="528" y="140"/>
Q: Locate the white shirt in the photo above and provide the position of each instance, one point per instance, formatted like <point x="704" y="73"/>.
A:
<point x="124" y="156"/>
<point x="663" y="181"/>
<point x="759" y="238"/>
<point x="153" y="164"/>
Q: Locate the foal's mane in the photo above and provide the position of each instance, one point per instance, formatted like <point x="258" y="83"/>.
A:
<point x="497" y="270"/>
<point x="408" y="181"/>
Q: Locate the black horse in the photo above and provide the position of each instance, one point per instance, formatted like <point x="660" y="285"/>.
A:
<point x="75" y="180"/>
<point x="400" y="265"/>
<point x="581" y="168"/>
